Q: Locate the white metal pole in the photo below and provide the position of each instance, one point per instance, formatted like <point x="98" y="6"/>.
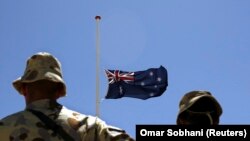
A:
<point x="97" y="18"/>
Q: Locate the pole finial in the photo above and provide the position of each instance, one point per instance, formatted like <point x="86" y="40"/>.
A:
<point x="97" y="17"/>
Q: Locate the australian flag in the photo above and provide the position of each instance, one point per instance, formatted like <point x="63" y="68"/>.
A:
<point x="140" y="84"/>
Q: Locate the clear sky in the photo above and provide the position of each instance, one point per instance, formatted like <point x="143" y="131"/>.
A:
<point x="204" y="45"/>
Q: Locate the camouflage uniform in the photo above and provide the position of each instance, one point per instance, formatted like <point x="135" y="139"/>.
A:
<point x="199" y="107"/>
<point x="25" y="126"/>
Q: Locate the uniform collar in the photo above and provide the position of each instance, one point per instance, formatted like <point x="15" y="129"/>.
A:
<point x="44" y="104"/>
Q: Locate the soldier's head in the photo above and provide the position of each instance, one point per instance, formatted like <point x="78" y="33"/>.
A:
<point x="43" y="74"/>
<point x="199" y="107"/>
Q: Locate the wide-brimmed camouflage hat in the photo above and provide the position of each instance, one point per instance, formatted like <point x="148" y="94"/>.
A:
<point x="41" y="66"/>
<point x="199" y="101"/>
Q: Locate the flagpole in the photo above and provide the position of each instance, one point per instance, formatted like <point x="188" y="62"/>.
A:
<point x="97" y="18"/>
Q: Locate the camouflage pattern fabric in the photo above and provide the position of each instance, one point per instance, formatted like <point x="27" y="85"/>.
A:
<point x="24" y="126"/>
<point x="41" y="66"/>
<point x="199" y="107"/>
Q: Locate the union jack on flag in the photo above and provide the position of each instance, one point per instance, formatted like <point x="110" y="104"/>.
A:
<point x="139" y="84"/>
<point x="117" y="75"/>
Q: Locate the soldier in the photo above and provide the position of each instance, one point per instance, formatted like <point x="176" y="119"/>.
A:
<point x="44" y="119"/>
<point x="199" y="107"/>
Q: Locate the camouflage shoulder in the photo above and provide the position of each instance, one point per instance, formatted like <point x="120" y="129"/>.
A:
<point x="8" y="120"/>
<point x="99" y="122"/>
<point x="113" y="132"/>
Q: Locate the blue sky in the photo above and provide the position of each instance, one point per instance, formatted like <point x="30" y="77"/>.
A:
<point x="204" y="45"/>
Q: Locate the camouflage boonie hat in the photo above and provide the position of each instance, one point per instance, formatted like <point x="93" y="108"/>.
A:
<point x="41" y="66"/>
<point x="191" y="98"/>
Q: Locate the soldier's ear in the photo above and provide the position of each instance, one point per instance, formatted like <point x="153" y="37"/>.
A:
<point x="59" y="91"/>
<point x="24" y="90"/>
<point x="58" y="94"/>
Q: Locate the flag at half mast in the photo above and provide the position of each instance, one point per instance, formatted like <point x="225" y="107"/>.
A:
<point x="139" y="84"/>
